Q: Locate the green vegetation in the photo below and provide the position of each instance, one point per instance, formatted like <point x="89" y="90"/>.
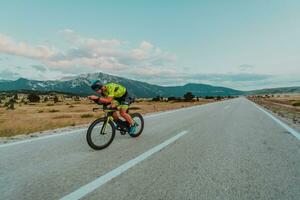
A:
<point x="157" y="98"/>
<point x="33" y="97"/>
<point x="86" y="115"/>
<point x="10" y="105"/>
<point x="46" y="99"/>
<point x="297" y="103"/>
<point x="55" y="99"/>
<point x="188" y="96"/>
<point x="53" y="110"/>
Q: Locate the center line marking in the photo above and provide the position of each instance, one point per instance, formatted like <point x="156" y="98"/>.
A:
<point x="84" y="190"/>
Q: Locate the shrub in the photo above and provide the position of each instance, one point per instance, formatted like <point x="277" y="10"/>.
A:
<point x="157" y="98"/>
<point x="53" y="110"/>
<point x="135" y="108"/>
<point x="46" y="99"/>
<point x="188" y="96"/>
<point x="10" y="105"/>
<point x="49" y="104"/>
<point x="209" y="97"/>
<point x="218" y="98"/>
<point x="33" y="98"/>
<point x="23" y="101"/>
<point x="297" y="103"/>
<point x="171" y="98"/>
<point x="86" y="115"/>
<point x="76" y="98"/>
<point x="55" y="99"/>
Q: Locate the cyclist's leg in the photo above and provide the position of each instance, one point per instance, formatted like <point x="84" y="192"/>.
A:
<point x="125" y="115"/>
<point x="115" y="116"/>
<point x="123" y="107"/>
<point x="115" y="104"/>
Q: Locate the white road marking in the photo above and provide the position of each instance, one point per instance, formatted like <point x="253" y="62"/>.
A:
<point x="82" y="129"/>
<point x="285" y="126"/>
<point x="84" y="190"/>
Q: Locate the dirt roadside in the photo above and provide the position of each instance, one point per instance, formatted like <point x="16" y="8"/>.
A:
<point x="282" y="106"/>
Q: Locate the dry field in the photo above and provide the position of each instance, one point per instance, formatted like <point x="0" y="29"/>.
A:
<point x="284" y="105"/>
<point x="36" y="117"/>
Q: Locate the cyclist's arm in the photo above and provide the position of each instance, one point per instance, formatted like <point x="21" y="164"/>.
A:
<point x="101" y="100"/>
<point x="105" y="100"/>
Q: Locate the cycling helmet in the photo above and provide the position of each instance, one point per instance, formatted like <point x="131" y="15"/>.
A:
<point x="96" y="85"/>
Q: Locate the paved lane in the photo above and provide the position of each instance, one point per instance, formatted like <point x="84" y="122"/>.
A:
<point x="231" y="151"/>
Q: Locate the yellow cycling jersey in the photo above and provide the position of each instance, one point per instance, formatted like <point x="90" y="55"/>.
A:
<point x="114" y="90"/>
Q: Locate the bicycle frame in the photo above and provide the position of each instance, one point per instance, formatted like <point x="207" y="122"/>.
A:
<point x="108" y="112"/>
<point x="108" y="116"/>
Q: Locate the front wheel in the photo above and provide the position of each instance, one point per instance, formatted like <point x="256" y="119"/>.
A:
<point x="139" y="121"/>
<point x="100" y="134"/>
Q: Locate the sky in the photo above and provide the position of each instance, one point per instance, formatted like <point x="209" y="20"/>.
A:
<point x="239" y="44"/>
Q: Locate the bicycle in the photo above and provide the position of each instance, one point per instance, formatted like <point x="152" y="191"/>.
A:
<point x="104" y="128"/>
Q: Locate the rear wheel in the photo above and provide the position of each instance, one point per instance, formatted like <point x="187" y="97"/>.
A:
<point x="100" y="134"/>
<point x="139" y="121"/>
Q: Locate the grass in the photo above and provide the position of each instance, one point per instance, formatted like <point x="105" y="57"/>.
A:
<point x="286" y="106"/>
<point x="62" y="116"/>
<point x="26" y="119"/>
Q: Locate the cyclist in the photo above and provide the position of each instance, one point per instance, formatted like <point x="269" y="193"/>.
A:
<point x="117" y="96"/>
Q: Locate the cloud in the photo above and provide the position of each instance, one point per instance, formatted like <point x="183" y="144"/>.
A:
<point x="146" y="45"/>
<point x="246" y="67"/>
<point x="9" y="75"/>
<point x="107" y="55"/>
<point x="167" y="76"/>
<point x="9" y="46"/>
<point x="89" y="43"/>
<point x="39" y="68"/>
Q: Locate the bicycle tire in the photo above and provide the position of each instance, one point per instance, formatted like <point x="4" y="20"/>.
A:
<point x="133" y="115"/>
<point x="89" y="134"/>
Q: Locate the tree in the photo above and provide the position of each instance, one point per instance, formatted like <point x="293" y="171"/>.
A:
<point x="188" y="96"/>
<point x="209" y="97"/>
<point x="46" y="99"/>
<point x="76" y="98"/>
<point x="55" y="99"/>
<point x="10" y="104"/>
<point x="157" y="98"/>
<point x="33" y="97"/>
<point x="16" y="97"/>
<point x="172" y="98"/>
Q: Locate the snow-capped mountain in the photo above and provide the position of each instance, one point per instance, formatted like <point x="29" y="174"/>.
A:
<point x="81" y="85"/>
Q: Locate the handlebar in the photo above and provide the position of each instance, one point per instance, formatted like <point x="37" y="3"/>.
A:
<point x="104" y="107"/>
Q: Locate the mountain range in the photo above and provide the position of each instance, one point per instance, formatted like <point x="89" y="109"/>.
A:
<point x="80" y="85"/>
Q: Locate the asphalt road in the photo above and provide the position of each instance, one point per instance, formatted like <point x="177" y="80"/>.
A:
<point x="230" y="150"/>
